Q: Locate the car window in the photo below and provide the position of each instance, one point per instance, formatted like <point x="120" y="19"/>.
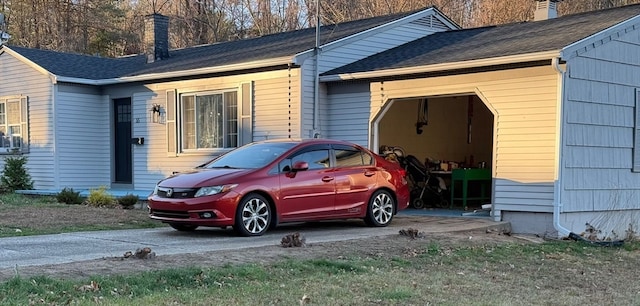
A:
<point x="251" y="156"/>
<point x="350" y="157"/>
<point x="317" y="159"/>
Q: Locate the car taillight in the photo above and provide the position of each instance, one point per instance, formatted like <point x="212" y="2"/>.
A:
<point x="402" y="172"/>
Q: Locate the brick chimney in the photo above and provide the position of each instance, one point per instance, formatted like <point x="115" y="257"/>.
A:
<point x="545" y="9"/>
<point x="156" y="37"/>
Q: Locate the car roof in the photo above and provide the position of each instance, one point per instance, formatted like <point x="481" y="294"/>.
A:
<point x="308" y="141"/>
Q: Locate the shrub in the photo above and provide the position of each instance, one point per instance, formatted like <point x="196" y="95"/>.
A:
<point x="68" y="196"/>
<point x="15" y="176"/>
<point x="128" y="201"/>
<point x="101" y="198"/>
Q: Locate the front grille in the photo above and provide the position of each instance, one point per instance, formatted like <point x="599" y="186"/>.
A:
<point x="170" y="214"/>
<point x="176" y="193"/>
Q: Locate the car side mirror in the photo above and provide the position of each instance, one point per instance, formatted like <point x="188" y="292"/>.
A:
<point x="300" y="166"/>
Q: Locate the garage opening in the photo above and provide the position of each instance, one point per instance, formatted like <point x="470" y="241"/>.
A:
<point x="447" y="143"/>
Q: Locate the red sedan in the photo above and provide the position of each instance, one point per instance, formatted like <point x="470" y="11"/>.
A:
<point x="259" y="185"/>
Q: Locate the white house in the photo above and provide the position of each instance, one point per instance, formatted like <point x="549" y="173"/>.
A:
<point x="550" y="107"/>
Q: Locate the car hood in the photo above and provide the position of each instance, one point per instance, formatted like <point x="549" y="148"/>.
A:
<point x="203" y="177"/>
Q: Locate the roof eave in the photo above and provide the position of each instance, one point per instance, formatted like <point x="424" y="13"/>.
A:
<point x="285" y="60"/>
<point x="503" y="60"/>
<point x="302" y="56"/>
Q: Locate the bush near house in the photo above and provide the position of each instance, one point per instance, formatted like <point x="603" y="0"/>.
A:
<point x="69" y="196"/>
<point x="14" y="175"/>
<point x="128" y="201"/>
<point x="101" y="198"/>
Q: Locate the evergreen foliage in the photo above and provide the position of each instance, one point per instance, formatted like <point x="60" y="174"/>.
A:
<point x="15" y="175"/>
<point x="69" y="196"/>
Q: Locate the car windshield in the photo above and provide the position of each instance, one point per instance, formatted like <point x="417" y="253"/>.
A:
<point x="251" y="156"/>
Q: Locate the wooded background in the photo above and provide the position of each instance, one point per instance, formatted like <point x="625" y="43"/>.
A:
<point x="115" y="27"/>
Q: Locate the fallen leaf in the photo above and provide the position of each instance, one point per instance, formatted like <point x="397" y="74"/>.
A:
<point x="305" y="299"/>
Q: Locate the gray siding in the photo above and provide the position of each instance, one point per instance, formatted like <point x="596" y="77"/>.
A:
<point x="600" y="101"/>
<point x="275" y="111"/>
<point x="18" y="78"/>
<point x="378" y="40"/>
<point x="83" y="142"/>
<point x="347" y="112"/>
<point x="354" y="49"/>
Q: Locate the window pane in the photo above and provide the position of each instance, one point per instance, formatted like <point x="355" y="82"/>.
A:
<point x="3" y="116"/>
<point x="209" y="123"/>
<point x="316" y="159"/>
<point x="231" y="113"/>
<point x="346" y="158"/>
<point x="15" y="137"/>
<point x="189" y="123"/>
<point x="13" y="112"/>
<point x="5" y="140"/>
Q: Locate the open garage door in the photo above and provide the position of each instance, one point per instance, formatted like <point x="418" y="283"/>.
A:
<point x="452" y="138"/>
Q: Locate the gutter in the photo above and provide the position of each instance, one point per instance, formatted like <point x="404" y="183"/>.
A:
<point x="557" y="194"/>
<point x="510" y="59"/>
<point x="176" y="74"/>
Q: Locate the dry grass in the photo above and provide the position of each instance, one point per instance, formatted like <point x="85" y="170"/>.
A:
<point x="24" y="215"/>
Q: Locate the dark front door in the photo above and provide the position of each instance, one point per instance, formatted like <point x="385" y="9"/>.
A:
<point x="122" y="131"/>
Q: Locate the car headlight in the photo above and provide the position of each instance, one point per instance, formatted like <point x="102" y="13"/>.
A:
<point x="211" y="190"/>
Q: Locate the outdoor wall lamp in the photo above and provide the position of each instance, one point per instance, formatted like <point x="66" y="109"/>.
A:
<point x="157" y="113"/>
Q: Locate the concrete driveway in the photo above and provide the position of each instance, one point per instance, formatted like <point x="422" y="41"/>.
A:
<point x="79" y="246"/>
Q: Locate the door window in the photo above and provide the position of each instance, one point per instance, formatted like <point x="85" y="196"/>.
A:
<point x="352" y="157"/>
<point x="317" y="159"/>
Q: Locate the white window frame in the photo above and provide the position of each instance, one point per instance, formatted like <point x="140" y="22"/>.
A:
<point x="226" y="133"/>
<point x="13" y="135"/>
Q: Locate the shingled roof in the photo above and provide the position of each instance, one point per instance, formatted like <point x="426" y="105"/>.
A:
<point x="494" y="41"/>
<point x="219" y="54"/>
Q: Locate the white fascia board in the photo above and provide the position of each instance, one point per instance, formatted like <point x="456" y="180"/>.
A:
<point x="601" y="37"/>
<point x="511" y="59"/>
<point x="302" y="56"/>
<point x="29" y="63"/>
<point x="184" y="73"/>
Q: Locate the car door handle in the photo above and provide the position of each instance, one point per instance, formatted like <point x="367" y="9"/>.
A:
<point x="369" y="173"/>
<point x="327" y="179"/>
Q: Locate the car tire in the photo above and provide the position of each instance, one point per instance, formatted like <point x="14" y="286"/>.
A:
<point x="253" y="216"/>
<point x="183" y="227"/>
<point x="380" y="209"/>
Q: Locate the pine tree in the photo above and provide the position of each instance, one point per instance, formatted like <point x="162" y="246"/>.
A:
<point x="15" y="176"/>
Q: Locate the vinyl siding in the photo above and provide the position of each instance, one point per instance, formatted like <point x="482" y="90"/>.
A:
<point x="276" y="109"/>
<point x="354" y="49"/>
<point x="524" y="102"/>
<point x="83" y="140"/>
<point x="600" y="107"/>
<point x="20" y="79"/>
<point x="347" y="113"/>
<point x="378" y="40"/>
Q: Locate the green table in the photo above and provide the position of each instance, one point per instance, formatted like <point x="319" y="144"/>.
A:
<point x="464" y="177"/>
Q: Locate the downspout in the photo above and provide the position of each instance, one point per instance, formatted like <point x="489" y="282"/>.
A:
<point x="316" y="97"/>
<point x="558" y="185"/>
<point x="54" y="127"/>
<point x="557" y="194"/>
<point x="316" y="82"/>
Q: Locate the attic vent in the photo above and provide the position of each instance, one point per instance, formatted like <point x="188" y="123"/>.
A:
<point x="431" y="22"/>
